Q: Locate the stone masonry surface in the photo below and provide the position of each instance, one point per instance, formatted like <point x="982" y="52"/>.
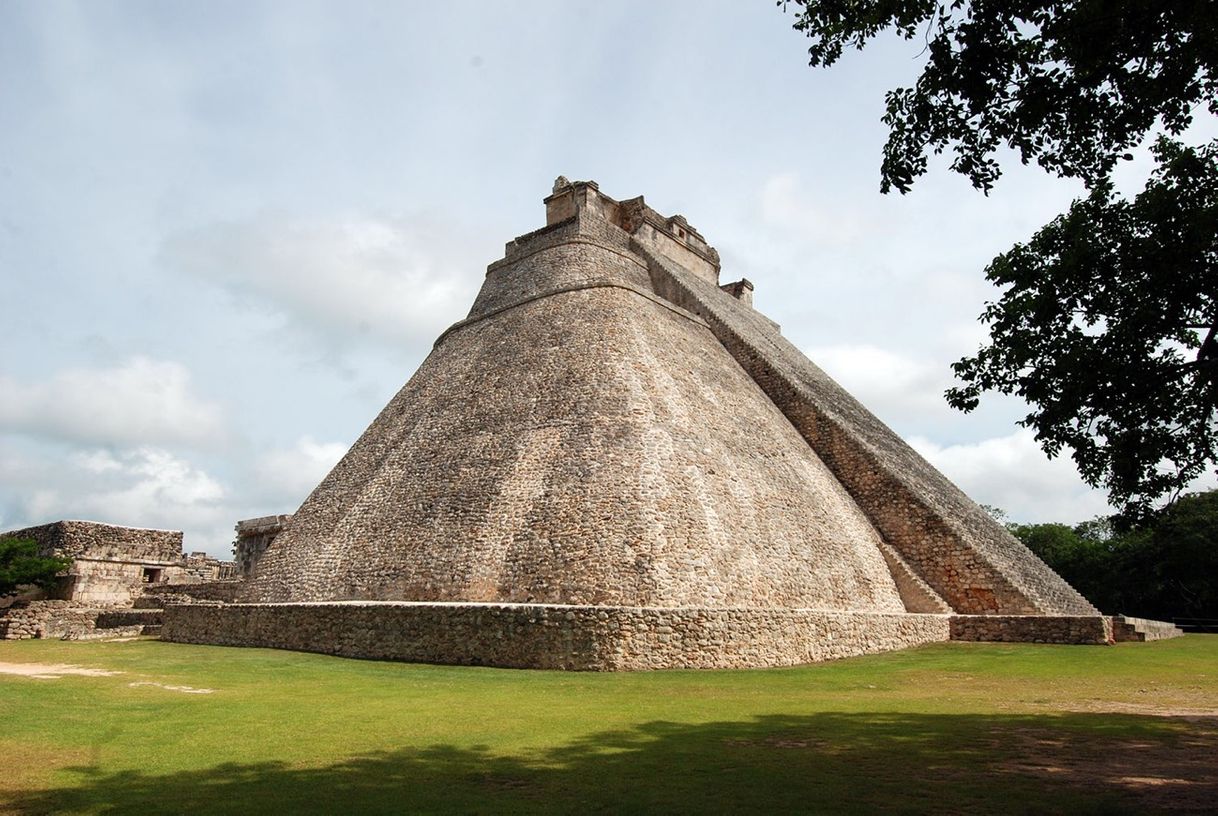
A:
<point x="44" y="619"/>
<point x="253" y="537"/>
<point x="110" y="563"/>
<point x="91" y="539"/>
<point x="613" y="463"/>
<point x="599" y="638"/>
<point x="588" y="638"/>
<point x="1078" y="629"/>
<point x="587" y="446"/>
<point x="963" y="554"/>
<point x="1139" y="630"/>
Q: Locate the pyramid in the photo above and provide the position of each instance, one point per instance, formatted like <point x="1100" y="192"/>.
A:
<point x="614" y="461"/>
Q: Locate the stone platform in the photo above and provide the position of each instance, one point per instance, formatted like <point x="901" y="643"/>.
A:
<point x="598" y="638"/>
<point x="1140" y="630"/>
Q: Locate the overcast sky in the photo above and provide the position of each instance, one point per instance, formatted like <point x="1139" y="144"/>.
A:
<point x="230" y="231"/>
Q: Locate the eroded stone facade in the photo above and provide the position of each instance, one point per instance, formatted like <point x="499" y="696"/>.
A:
<point x="1072" y="629"/>
<point x="580" y="440"/>
<point x="618" y="463"/>
<point x="110" y="564"/>
<point x="536" y="636"/>
<point x="112" y="568"/>
<point x="253" y="537"/>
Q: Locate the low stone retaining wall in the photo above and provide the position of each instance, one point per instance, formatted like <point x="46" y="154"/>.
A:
<point x="115" y="618"/>
<point x="593" y="638"/>
<point x="223" y="591"/>
<point x="111" y="633"/>
<point x="45" y="619"/>
<point x="1139" y="630"/>
<point x="586" y="638"/>
<point x="1082" y="629"/>
<point x="69" y="620"/>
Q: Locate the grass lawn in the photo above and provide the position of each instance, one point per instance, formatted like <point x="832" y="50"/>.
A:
<point x="948" y="728"/>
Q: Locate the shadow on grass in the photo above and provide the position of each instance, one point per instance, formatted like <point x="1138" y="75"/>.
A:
<point x="1079" y="763"/>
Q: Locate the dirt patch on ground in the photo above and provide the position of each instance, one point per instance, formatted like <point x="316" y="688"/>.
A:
<point x="823" y="746"/>
<point x="183" y="689"/>
<point x="52" y="671"/>
<point x="1137" y="759"/>
<point x="1173" y="772"/>
<point x="1147" y="710"/>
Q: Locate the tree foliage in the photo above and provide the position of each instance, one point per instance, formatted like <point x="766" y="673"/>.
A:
<point x="1106" y="327"/>
<point x="21" y="565"/>
<point x="1106" y="322"/>
<point x="1071" y="84"/>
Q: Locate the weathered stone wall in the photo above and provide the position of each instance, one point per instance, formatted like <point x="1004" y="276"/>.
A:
<point x="222" y="591"/>
<point x="579" y="440"/>
<point x="108" y="582"/>
<point x="90" y="539"/>
<point x="576" y="255"/>
<point x="44" y="619"/>
<point x="672" y="236"/>
<point x="253" y="537"/>
<point x="1139" y="630"/>
<point x="742" y="290"/>
<point x="1079" y="629"/>
<point x="110" y="564"/>
<point x="963" y="554"/>
<point x="199" y="566"/>
<point x="555" y="637"/>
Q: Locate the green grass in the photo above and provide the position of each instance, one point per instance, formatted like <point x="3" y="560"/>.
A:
<point x="949" y="728"/>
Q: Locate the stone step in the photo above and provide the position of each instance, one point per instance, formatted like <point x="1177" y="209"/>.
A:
<point x="112" y="619"/>
<point x="109" y="633"/>
<point x="1125" y="628"/>
<point x="149" y="602"/>
<point x="151" y="629"/>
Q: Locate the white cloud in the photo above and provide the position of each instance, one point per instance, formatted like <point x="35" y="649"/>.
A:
<point x="888" y="383"/>
<point x="138" y="487"/>
<point x="142" y="401"/>
<point x="288" y="476"/>
<point x="401" y="281"/>
<point x="148" y="486"/>
<point x="1011" y="472"/>
<point x="904" y="388"/>
<point x="151" y="486"/>
<point x="786" y="204"/>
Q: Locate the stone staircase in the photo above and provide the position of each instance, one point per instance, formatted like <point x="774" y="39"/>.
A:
<point x="109" y="624"/>
<point x="148" y="621"/>
<point x="64" y="620"/>
<point x="1125" y="628"/>
<point x="75" y="620"/>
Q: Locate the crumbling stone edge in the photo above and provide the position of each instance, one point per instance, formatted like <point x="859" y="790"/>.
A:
<point x="598" y="638"/>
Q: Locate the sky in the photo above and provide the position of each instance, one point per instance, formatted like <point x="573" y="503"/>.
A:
<point x="230" y="231"/>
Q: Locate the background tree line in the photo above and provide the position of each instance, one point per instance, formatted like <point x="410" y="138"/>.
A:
<point x="1165" y="568"/>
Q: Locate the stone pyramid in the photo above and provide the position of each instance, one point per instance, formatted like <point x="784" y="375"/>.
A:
<point x="616" y="450"/>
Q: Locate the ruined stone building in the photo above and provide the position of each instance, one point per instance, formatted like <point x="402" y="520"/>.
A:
<point x="615" y="462"/>
<point x="112" y="565"/>
<point x="253" y="537"/>
<point x="114" y="583"/>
